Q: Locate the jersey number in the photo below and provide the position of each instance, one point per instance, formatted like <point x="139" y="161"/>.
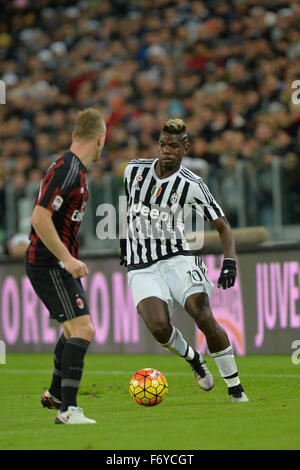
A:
<point x="197" y="276"/>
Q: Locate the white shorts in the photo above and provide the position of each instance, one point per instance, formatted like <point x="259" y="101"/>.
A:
<point x="174" y="278"/>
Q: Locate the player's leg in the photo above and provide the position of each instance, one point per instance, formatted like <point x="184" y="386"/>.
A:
<point x="78" y="328"/>
<point x="81" y="332"/>
<point x="155" y="313"/>
<point x="176" y="274"/>
<point x="191" y="287"/>
<point x="154" y="303"/>
<point x="43" y="286"/>
<point x="197" y="305"/>
<point x="52" y="397"/>
<point x="68" y="368"/>
<point x="65" y="299"/>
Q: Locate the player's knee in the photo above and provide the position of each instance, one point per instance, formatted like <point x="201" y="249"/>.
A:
<point x="87" y="332"/>
<point x="201" y="304"/>
<point x="90" y="332"/>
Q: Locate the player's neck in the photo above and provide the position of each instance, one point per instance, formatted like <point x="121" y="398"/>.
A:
<point x="83" y="153"/>
<point x="162" y="172"/>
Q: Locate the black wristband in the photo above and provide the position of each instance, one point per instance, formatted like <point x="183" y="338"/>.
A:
<point x="123" y="243"/>
<point x="229" y="263"/>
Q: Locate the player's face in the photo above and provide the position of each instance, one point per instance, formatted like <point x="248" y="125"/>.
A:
<point x="171" y="149"/>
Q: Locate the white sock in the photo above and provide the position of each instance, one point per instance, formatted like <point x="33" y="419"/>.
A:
<point x="178" y="345"/>
<point x="227" y="366"/>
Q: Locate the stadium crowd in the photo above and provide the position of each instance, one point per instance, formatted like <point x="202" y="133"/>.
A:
<point x="226" y="68"/>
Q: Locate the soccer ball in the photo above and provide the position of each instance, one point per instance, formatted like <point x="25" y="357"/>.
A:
<point x="148" y="387"/>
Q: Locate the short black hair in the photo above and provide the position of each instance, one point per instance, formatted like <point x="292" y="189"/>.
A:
<point x="176" y="126"/>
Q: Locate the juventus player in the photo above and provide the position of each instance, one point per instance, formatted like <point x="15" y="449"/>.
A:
<point x="161" y="267"/>
<point x="52" y="263"/>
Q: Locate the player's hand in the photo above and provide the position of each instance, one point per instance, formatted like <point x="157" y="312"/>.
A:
<point x="75" y="267"/>
<point x="228" y="274"/>
<point x="123" y="254"/>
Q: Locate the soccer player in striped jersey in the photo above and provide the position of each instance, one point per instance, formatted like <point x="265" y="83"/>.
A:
<point x="52" y="263"/>
<point x="161" y="267"/>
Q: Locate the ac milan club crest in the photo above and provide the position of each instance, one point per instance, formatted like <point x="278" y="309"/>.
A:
<point x="79" y="303"/>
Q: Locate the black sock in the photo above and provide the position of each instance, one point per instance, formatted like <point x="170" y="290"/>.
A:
<point x="72" y="368"/>
<point x="55" y="387"/>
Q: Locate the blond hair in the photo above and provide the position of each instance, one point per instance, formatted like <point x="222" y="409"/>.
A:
<point x="176" y="126"/>
<point x="89" y="123"/>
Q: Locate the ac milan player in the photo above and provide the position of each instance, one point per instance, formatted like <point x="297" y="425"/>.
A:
<point x="52" y="263"/>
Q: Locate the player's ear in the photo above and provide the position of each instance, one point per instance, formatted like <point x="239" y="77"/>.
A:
<point x="187" y="147"/>
<point x="73" y="136"/>
<point x="101" y="139"/>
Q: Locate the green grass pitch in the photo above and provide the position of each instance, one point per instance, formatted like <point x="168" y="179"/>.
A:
<point x="188" y="419"/>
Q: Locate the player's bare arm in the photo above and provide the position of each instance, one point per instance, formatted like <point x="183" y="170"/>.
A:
<point x="227" y="241"/>
<point x="41" y="220"/>
<point x="228" y="271"/>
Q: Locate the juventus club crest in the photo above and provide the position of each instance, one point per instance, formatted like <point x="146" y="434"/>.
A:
<point x="174" y="198"/>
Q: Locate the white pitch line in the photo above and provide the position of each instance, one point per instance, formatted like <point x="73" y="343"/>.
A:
<point x="121" y="372"/>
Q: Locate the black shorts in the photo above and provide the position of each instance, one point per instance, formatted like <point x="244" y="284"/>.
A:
<point x="63" y="295"/>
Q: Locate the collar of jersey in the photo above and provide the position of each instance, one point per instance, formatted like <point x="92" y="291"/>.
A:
<point x="74" y="155"/>
<point x="163" y="179"/>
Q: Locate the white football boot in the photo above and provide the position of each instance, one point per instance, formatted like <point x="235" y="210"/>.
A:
<point x="73" y="415"/>
<point x="203" y="377"/>
<point x="237" y="394"/>
<point x="242" y="398"/>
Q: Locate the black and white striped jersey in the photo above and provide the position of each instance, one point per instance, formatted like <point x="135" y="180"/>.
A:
<point x="157" y="211"/>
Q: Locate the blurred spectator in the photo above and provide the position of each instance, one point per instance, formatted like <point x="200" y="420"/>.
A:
<point x="291" y="189"/>
<point x="224" y="67"/>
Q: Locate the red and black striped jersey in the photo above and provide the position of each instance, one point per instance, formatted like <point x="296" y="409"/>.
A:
<point x="63" y="191"/>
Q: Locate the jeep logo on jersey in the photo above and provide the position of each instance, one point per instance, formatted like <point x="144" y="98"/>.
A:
<point x="154" y="211"/>
<point x="155" y="222"/>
